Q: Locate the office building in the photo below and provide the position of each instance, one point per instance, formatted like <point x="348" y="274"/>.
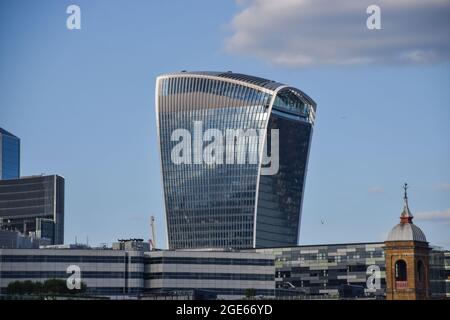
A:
<point x="34" y="205"/>
<point x="402" y="267"/>
<point x="12" y="239"/>
<point x="446" y="274"/>
<point x="353" y="270"/>
<point x="327" y="269"/>
<point x="9" y="155"/>
<point x="108" y="273"/>
<point x="332" y="270"/>
<point x="439" y="273"/>
<point x="230" y="196"/>
<point x="136" y="274"/>
<point x="131" y="244"/>
<point x="226" y="274"/>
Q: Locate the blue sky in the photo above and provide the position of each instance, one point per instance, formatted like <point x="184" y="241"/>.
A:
<point x="82" y="101"/>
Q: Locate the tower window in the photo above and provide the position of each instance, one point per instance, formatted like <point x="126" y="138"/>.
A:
<point x="400" y="270"/>
<point x="420" y="271"/>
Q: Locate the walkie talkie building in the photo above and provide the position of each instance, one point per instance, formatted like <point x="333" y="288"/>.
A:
<point x="222" y="203"/>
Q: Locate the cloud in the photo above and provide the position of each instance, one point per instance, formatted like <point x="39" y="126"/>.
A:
<point x="324" y="32"/>
<point x="376" y="190"/>
<point x="445" y="186"/>
<point x="440" y="216"/>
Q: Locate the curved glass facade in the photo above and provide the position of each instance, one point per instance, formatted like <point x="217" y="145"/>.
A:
<point x="217" y="204"/>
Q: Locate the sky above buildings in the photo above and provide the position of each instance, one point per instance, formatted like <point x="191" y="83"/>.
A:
<point x="82" y="102"/>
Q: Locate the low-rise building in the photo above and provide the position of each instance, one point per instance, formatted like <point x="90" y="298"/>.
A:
<point x="227" y="274"/>
<point x="329" y="269"/>
<point x="134" y="273"/>
<point x="105" y="272"/>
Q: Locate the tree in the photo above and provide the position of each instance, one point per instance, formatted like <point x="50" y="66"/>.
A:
<point x="27" y="287"/>
<point x="54" y="286"/>
<point x="250" y="293"/>
<point x="49" y="287"/>
<point x="14" y="287"/>
<point x="38" y="287"/>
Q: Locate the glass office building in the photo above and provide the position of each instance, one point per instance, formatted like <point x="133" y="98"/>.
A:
<point x="34" y="204"/>
<point x="329" y="269"/>
<point x="233" y="204"/>
<point x="9" y="155"/>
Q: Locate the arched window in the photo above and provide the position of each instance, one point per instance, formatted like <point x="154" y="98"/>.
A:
<point x="400" y="270"/>
<point x="420" y="271"/>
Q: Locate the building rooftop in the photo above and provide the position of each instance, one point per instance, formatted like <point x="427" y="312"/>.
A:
<point x="257" y="81"/>
<point x="3" y="131"/>
<point x="261" y="82"/>
<point x="406" y="230"/>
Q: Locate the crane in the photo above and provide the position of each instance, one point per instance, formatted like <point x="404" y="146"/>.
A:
<point x="152" y="226"/>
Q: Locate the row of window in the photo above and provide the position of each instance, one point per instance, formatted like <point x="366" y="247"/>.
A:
<point x="134" y="260"/>
<point x="71" y="259"/>
<point x="332" y="259"/>
<point x="328" y="283"/>
<point x="208" y="261"/>
<point x="14" y="186"/>
<point x="219" y="291"/>
<point x="180" y="85"/>
<point x="64" y="275"/>
<point x="208" y="276"/>
<point x="104" y="291"/>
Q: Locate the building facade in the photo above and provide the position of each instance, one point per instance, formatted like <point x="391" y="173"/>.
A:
<point x="105" y="272"/>
<point x="12" y="239"/>
<point x="446" y="275"/>
<point x="302" y="272"/>
<point x="218" y="197"/>
<point x="439" y="273"/>
<point x="329" y="269"/>
<point x="34" y="204"/>
<point x="9" y="155"/>
<point x="135" y="273"/>
<point x="226" y="274"/>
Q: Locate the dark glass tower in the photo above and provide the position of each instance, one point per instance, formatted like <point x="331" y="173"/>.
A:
<point x="34" y="204"/>
<point x="232" y="205"/>
<point x="9" y="155"/>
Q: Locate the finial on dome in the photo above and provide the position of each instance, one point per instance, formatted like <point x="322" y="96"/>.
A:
<point x="406" y="216"/>
<point x="405" y="187"/>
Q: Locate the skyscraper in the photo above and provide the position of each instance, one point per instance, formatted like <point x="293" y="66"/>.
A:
<point x="9" y="155"/>
<point x="224" y="203"/>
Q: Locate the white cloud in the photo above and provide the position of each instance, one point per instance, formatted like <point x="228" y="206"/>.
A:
<point x="441" y="216"/>
<point x="314" y="32"/>
<point x="445" y="186"/>
<point x="376" y="190"/>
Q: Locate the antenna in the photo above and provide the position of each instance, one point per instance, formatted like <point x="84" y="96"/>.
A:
<point x="153" y="227"/>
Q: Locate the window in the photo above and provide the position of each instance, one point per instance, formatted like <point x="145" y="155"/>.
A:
<point x="400" y="270"/>
<point x="420" y="271"/>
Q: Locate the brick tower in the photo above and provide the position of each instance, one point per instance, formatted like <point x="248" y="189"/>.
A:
<point x="406" y="251"/>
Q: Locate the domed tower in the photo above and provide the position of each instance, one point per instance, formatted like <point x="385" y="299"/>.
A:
<point x="406" y="251"/>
